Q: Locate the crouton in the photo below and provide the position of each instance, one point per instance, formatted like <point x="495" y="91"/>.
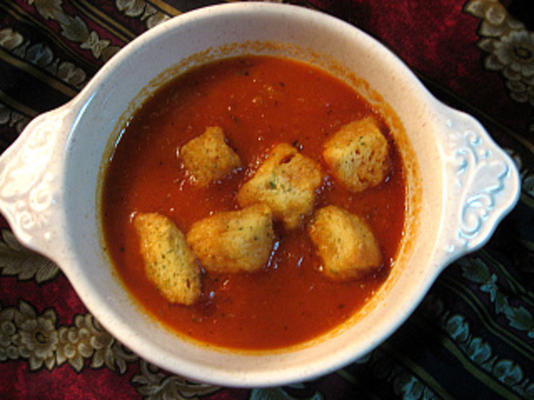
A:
<point x="233" y="241"/>
<point x="169" y="263"/>
<point x="345" y="244"/>
<point x="286" y="182"/>
<point x="208" y="158"/>
<point x="357" y="155"/>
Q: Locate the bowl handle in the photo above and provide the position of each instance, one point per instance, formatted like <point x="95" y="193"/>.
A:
<point x="30" y="177"/>
<point x="482" y="182"/>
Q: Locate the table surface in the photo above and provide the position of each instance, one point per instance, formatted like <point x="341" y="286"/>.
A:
<point x="472" y="336"/>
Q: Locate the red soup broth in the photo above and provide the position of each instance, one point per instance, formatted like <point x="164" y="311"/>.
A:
<point x="259" y="102"/>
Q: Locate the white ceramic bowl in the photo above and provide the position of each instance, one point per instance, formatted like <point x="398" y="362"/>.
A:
<point x="460" y="184"/>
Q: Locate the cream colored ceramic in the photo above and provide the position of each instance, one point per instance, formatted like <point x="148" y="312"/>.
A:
<point x="460" y="183"/>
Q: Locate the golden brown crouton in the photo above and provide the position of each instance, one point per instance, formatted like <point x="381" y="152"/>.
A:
<point x="169" y="263"/>
<point x="357" y="154"/>
<point x="233" y="241"/>
<point x="286" y="182"/>
<point x="208" y="157"/>
<point x="345" y="243"/>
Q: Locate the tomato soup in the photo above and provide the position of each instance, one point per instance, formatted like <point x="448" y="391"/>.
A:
<point x="259" y="102"/>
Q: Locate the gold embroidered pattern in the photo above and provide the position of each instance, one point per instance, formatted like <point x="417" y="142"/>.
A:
<point x="143" y="10"/>
<point x="21" y="262"/>
<point x="510" y="47"/>
<point x="155" y="385"/>
<point x="75" y="29"/>
<point x="27" y="335"/>
<point x="13" y="119"/>
<point x="41" y="56"/>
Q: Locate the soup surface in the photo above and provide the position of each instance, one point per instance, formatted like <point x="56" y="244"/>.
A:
<point x="259" y="102"/>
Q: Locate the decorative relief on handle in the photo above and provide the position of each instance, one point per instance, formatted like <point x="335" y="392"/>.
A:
<point x="26" y="179"/>
<point x="480" y="171"/>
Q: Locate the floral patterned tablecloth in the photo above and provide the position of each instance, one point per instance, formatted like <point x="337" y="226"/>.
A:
<point x="473" y="335"/>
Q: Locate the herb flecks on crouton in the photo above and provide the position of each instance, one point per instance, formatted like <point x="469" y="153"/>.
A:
<point x="208" y="157"/>
<point x="169" y="263"/>
<point x="286" y="182"/>
<point x="345" y="244"/>
<point x="357" y="155"/>
<point x="234" y="241"/>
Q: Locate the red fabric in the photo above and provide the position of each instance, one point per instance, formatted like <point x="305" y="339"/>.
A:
<point x="438" y="40"/>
